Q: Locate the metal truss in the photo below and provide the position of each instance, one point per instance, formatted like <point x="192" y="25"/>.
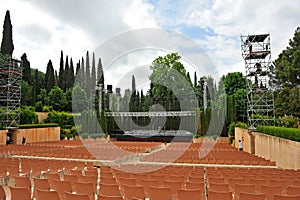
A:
<point x="256" y="52"/>
<point x="10" y="92"/>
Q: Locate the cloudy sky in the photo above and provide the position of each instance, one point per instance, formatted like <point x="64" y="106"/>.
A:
<point x="42" y="28"/>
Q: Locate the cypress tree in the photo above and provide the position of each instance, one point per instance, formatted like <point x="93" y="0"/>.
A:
<point x="66" y="74"/>
<point x="49" y="77"/>
<point x="56" y="78"/>
<point x="82" y="75"/>
<point x="36" y="85"/>
<point x="87" y="75"/>
<point x="195" y="79"/>
<point x="7" y="46"/>
<point x="26" y="71"/>
<point x="93" y="74"/>
<point x="100" y="80"/>
<point x="133" y="86"/>
<point x="100" y="73"/>
<point x="71" y="76"/>
<point x="61" y="75"/>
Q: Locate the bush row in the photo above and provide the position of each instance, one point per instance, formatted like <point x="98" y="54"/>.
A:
<point x="26" y="126"/>
<point x="282" y="132"/>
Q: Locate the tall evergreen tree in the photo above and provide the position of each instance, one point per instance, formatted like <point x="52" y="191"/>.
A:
<point x="66" y="74"/>
<point x="26" y="71"/>
<point x="71" y="76"/>
<point x="56" y="78"/>
<point x="36" y="85"/>
<point x="195" y="80"/>
<point x="61" y="75"/>
<point x="100" y="73"/>
<point x="93" y="73"/>
<point x="100" y="80"/>
<point x="7" y="46"/>
<point x="49" y="77"/>
<point x="77" y="67"/>
<point x="87" y="75"/>
<point x="133" y="85"/>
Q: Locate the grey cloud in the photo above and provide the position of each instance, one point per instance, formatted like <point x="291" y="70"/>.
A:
<point x="36" y="33"/>
<point x="99" y="19"/>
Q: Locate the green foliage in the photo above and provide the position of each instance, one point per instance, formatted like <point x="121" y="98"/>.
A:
<point x="38" y="106"/>
<point x="287" y="101"/>
<point x="233" y="82"/>
<point x="7" y="46"/>
<point x="63" y="119"/>
<point x="287" y="121"/>
<point x="57" y="98"/>
<point x="26" y="94"/>
<point x="49" y="77"/>
<point x="231" y="129"/>
<point x="79" y="99"/>
<point x="28" y="115"/>
<point x="47" y="108"/>
<point x="27" y="126"/>
<point x="26" y="71"/>
<point x="287" y="64"/>
<point x="286" y="133"/>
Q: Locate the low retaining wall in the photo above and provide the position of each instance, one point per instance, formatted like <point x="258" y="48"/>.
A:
<point x="32" y="135"/>
<point x="285" y="153"/>
<point x="247" y="137"/>
<point x="3" y="134"/>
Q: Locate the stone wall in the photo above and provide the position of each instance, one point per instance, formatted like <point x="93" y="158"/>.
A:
<point x="247" y="137"/>
<point x="42" y="116"/>
<point x="3" y="137"/>
<point x="285" y="153"/>
<point x="32" y="135"/>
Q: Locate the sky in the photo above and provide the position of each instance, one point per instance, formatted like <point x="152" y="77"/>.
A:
<point x="42" y="28"/>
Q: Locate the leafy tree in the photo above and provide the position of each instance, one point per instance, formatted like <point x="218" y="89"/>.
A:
<point x="233" y="82"/>
<point x="240" y="98"/>
<point x="57" y="98"/>
<point x="43" y="97"/>
<point x="79" y="99"/>
<point x="287" y="65"/>
<point x="168" y="72"/>
<point x="7" y="46"/>
<point x="49" y="77"/>
<point x="28" y="116"/>
<point x="287" y="101"/>
<point x="26" y="72"/>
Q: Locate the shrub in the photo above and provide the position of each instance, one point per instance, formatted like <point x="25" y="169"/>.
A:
<point x="282" y="132"/>
<point x="26" y="126"/>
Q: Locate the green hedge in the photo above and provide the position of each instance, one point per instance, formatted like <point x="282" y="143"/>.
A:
<point x="287" y="133"/>
<point x="26" y="126"/>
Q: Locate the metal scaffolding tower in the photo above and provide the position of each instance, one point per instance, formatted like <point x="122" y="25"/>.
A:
<point x="10" y="92"/>
<point x="256" y="52"/>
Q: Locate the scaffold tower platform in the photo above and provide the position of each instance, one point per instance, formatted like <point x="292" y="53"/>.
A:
<point x="256" y="52"/>
<point x="10" y="92"/>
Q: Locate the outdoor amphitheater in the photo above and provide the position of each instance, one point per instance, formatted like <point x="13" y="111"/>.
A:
<point x="101" y="169"/>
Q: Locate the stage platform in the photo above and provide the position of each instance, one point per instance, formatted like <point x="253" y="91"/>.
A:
<point x="152" y="135"/>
